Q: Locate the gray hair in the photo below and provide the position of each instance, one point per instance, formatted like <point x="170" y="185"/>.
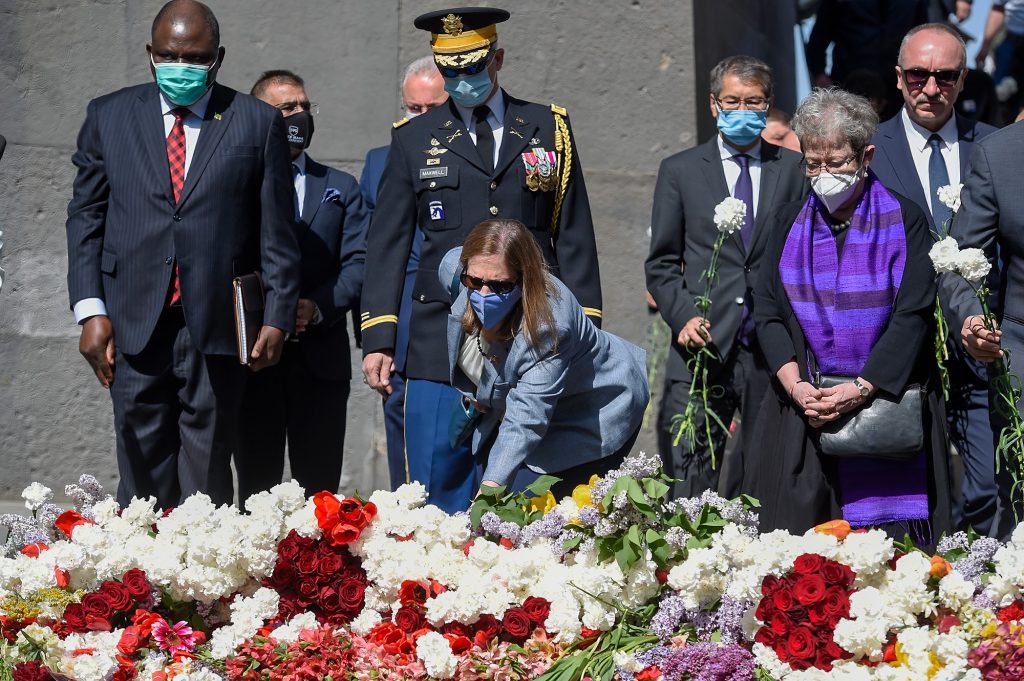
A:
<point x="746" y="69"/>
<point x="424" y="66"/>
<point x="833" y="115"/>
<point x="941" y="28"/>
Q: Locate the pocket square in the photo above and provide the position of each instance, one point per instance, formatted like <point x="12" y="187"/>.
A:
<point x="331" y="194"/>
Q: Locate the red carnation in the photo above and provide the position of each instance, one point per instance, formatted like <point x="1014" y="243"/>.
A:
<point x="137" y="583"/>
<point x="68" y="520"/>
<point x="33" y="550"/>
<point x="409" y="619"/>
<point x="1012" y="612"/>
<point x="808" y="564"/>
<point x="537" y="609"/>
<point x="809" y="589"/>
<point x="516" y="623"/>
<point x="652" y="673"/>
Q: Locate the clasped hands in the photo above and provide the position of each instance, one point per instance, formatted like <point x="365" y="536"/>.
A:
<point x="824" y="405"/>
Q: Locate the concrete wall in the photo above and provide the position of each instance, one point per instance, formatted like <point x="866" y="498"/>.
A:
<point x="623" y="68"/>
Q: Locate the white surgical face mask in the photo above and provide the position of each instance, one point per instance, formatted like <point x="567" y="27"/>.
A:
<point x="835" y="189"/>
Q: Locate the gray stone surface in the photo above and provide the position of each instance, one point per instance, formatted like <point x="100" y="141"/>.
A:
<point x="625" y="70"/>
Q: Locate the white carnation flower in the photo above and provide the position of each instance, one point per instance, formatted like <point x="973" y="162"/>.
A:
<point x="729" y="214"/>
<point x="627" y="662"/>
<point x="949" y="195"/>
<point x="366" y="621"/>
<point x="973" y="265"/>
<point x="945" y="255"/>
<point x="955" y="591"/>
<point x="35" y="495"/>
<point x="289" y="632"/>
<point x="436" y="655"/>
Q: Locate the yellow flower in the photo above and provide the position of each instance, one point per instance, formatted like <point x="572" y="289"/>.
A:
<point x="583" y="495"/>
<point x="544" y="503"/>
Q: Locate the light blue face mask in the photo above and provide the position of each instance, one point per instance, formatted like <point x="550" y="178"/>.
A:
<point x="182" y="84"/>
<point x="470" y="91"/>
<point x="741" y="126"/>
<point x="492" y="308"/>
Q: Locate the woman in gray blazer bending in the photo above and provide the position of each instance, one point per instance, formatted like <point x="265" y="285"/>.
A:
<point x="553" y="391"/>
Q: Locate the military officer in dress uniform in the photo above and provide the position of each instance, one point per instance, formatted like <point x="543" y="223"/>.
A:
<point x="483" y="154"/>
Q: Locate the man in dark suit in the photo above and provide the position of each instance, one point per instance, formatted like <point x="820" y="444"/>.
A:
<point x="992" y="218"/>
<point x="736" y="162"/>
<point x="483" y="155"/>
<point x="920" y="149"/>
<point x="303" y="399"/>
<point x="422" y="90"/>
<point x="182" y="184"/>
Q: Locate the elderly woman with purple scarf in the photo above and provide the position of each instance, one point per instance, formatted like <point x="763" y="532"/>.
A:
<point x="847" y="284"/>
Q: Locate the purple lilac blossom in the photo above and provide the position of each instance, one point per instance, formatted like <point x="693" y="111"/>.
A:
<point x="548" y="527"/>
<point x="670" y="614"/>
<point x="708" y="662"/>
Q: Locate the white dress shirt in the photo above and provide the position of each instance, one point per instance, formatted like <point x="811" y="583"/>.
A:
<point x="732" y="168"/>
<point x="91" y="307"/>
<point x="917" y="138"/>
<point x="300" y="182"/>
<point x="496" y="103"/>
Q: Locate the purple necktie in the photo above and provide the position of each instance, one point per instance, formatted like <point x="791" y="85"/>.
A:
<point x="745" y="193"/>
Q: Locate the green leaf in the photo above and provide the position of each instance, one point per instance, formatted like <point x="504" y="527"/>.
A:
<point x="633" y="537"/>
<point x="749" y="501"/>
<point x="542" y="485"/>
<point x="573" y="542"/>
<point x="655" y="489"/>
<point x="636" y="497"/>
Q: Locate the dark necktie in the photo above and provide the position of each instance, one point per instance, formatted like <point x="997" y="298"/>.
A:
<point x="176" y="163"/>
<point x="295" y="191"/>
<point x="938" y="176"/>
<point x="484" y="137"/>
<point x="745" y="193"/>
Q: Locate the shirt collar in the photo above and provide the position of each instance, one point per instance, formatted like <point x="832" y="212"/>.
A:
<point x="496" y="103"/>
<point x="198" y="108"/>
<point x="728" y="151"/>
<point x="301" y="163"/>
<point x="918" y="135"/>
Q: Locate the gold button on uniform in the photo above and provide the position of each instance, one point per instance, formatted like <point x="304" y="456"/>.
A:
<point x="494" y="210"/>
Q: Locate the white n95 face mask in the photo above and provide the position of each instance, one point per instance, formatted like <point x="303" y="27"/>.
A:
<point x="835" y="189"/>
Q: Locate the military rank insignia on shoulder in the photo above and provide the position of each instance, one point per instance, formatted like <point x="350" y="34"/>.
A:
<point x="400" y="122"/>
<point x="559" y="110"/>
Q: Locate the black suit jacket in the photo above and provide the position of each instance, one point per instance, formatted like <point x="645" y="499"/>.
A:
<point x="234" y="216"/>
<point x="434" y="178"/>
<point x="894" y="164"/>
<point x="690" y="184"/>
<point x="332" y="239"/>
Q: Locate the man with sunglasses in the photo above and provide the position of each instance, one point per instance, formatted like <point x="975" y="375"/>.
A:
<point x="737" y="162"/>
<point x="926" y="146"/>
<point x="483" y="154"/>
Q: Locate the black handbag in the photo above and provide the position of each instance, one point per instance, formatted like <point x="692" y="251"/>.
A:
<point x="886" y="427"/>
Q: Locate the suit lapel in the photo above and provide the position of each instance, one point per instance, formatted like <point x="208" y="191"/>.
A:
<point x="714" y="175"/>
<point x="765" y="195"/>
<point x="149" y="119"/>
<point x="215" y="124"/>
<point x="316" y="185"/>
<point x="452" y="134"/>
<point x="965" y="136"/>
<point x="903" y="163"/>
<point x="516" y="136"/>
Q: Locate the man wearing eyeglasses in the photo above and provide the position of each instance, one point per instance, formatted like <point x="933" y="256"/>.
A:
<point x="737" y="162"/>
<point x="483" y="154"/>
<point x="182" y="185"/>
<point x="924" y="147"/>
<point x="302" y="401"/>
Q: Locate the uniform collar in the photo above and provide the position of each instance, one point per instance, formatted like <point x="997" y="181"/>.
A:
<point x="198" y="108"/>
<point x="917" y="135"/>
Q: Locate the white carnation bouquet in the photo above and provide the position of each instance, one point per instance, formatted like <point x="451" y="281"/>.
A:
<point x="729" y="217"/>
<point x="949" y="195"/>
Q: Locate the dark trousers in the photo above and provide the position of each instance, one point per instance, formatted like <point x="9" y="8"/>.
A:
<point x="175" y="416"/>
<point x="743" y="379"/>
<point x="288" y="402"/>
<point x="394" y="428"/>
<point x="1005" y="522"/>
<point x="970" y="429"/>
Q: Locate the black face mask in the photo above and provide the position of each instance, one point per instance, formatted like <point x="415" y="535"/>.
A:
<point x="299" y="128"/>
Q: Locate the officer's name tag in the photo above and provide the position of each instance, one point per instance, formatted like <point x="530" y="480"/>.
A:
<point x="427" y="173"/>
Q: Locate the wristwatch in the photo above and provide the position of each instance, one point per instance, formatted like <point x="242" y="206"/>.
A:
<point x="861" y="387"/>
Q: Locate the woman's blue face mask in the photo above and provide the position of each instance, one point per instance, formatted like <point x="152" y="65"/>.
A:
<point x="493" y="308"/>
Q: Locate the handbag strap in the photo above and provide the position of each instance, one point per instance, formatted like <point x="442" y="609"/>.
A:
<point x="453" y="287"/>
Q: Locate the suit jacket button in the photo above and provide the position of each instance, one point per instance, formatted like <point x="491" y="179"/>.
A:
<point x="169" y="260"/>
<point x="176" y="217"/>
<point x="423" y="298"/>
<point x="494" y="210"/>
<point x="433" y="184"/>
<point x="494" y="185"/>
<point x="739" y="300"/>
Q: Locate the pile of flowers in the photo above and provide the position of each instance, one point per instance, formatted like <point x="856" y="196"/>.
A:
<point x="616" y="582"/>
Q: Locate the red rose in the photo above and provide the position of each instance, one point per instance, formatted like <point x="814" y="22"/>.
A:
<point x="816" y="615"/>
<point x="351" y="595"/>
<point x="31" y="671"/>
<point x="306" y="564"/>
<point x="801" y="643"/>
<point x="68" y="520"/>
<point x="288" y="549"/>
<point x="797" y="613"/>
<point x="457" y="629"/>
<point x="822" y="660"/>
<point x="770" y="584"/>
<point x="308" y="587"/>
<point x="117" y="595"/>
<point x="327" y="599"/>
<point x="354" y="572"/>
<point x="537" y="609"/>
<point x="458" y="644"/>
<point x="836" y="602"/>
<point x="783" y="599"/>
<point x="131" y="640"/>
<point x="284" y="576"/>
<point x="74" y="617"/>
<point x="765" y="636"/>
<point x="137" y="583"/>
<point x="413" y="593"/>
<point x="809" y="589"/>
<point x="409" y="619"/>
<point x="330" y="564"/>
<point x="97" y="623"/>
<point x="98" y="606"/>
<point x="516" y="623"/>
<point x="808" y="564"/>
<point x="780" y="624"/>
<point x="837" y="574"/>
<point x="488" y="625"/>
<point x="765" y="609"/>
<point x="835" y="651"/>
